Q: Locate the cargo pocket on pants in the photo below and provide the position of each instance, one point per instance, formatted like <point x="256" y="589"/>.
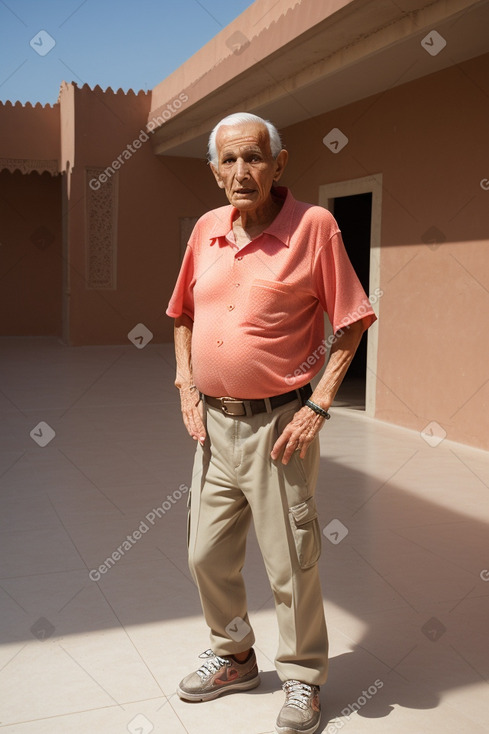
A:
<point x="305" y="530"/>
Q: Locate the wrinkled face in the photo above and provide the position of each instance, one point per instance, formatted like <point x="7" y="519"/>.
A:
<point x="246" y="168"/>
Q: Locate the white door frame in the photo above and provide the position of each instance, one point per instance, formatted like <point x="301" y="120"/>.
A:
<point x="369" y="184"/>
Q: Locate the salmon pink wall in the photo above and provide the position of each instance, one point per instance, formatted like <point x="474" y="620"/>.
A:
<point x="428" y="139"/>
<point x="152" y="195"/>
<point x="29" y="131"/>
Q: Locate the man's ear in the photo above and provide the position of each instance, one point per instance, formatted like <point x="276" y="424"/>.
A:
<point x="217" y="176"/>
<point x="280" y="163"/>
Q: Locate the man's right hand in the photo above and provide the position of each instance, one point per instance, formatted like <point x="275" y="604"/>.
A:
<point x="193" y="413"/>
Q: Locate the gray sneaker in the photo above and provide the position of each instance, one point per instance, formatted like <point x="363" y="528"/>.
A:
<point x="218" y="675"/>
<point x="301" y="712"/>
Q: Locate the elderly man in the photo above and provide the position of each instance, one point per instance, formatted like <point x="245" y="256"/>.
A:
<point x="248" y="307"/>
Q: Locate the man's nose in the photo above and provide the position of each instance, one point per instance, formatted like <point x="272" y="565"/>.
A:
<point x="242" y="170"/>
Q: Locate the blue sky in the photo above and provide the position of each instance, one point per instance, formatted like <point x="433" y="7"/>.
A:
<point x="133" y="44"/>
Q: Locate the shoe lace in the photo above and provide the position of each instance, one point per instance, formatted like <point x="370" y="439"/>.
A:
<point x="211" y="665"/>
<point x="297" y="694"/>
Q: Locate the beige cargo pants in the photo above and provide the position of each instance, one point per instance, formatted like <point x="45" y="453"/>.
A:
<point x="234" y="480"/>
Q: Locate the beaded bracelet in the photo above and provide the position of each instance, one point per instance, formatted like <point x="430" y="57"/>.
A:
<point x="317" y="409"/>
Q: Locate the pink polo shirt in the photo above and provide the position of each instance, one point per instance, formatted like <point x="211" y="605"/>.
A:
<point x="258" y="311"/>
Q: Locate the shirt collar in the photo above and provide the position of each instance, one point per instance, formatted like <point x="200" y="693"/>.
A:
<point x="279" y="228"/>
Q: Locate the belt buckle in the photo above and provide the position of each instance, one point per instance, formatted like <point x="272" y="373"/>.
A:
<point x="229" y="406"/>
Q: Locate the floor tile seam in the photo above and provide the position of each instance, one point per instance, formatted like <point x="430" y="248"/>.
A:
<point x="14" y="463"/>
<point x="444" y="558"/>
<point x="390" y="668"/>
<point x="483" y="678"/>
<point x="413" y="432"/>
<point x="469" y="468"/>
<point x="103" y="485"/>
<point x="440" y="556"/>
<point x="41" y="574"/>
<point x="135" y="403"/>
<point x="68" y="534"/>
<point x="386" y="482"/>
<point x="332" y="616"/>
<point x="263" y="654"/>
<point x="185" y="573"/>
<point x="463" y="711"/>
<point x="89" y="674"/>
<point x="128" y="515"/>
<point x="394" y="531"/>
<point x="438" y="600"/>
<point x="256" y="610"/>
<point x="80" y="711"/>
<point x="126" y="631"/>
<point x="385" y="580"/>
<point x="441" y="523"/>
<point x="80" y="471"/>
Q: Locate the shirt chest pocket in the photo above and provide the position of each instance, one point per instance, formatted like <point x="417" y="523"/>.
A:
<point x="269" y="305"/>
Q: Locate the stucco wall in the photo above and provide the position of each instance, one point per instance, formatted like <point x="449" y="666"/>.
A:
<point x="152" y="194"/>
<point x="29" y="131"/>
<point x="429" y="140"/>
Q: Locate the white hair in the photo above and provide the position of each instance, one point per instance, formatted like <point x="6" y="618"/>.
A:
<point x="238" y="118"/>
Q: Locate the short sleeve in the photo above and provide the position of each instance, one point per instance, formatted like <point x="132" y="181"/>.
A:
<point x="182" y="299"/>
<point x="338" y="288"/>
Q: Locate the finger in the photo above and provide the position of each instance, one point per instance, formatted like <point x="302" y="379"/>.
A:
<point x="194" y="424"/>
<point x="290" y="449"/>
<point x="278" y="446"/>
<point x="187" y="420"/>
<point x="290" y="443"/>
<point x="199" y="430"/>
<point x="193" y="416"/>
<point x="304" y="448"/>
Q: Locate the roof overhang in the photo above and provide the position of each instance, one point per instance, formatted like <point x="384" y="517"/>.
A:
<point x="304" y="58"/>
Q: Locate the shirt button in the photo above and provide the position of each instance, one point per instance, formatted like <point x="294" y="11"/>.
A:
<point x="240" y="257"/>
<point x="219" y="342"/>
<point x="230" y="307"/>
<point x="237" y="285"/>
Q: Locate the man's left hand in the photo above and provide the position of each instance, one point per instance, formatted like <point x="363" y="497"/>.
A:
<point x="298" y="434"/>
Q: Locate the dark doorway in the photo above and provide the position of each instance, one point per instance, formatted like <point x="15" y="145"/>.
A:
<point x="31" y="254"/>
<point x="354" y="216"/>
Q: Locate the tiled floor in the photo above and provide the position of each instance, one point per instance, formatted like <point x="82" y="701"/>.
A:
<point x="406" y="590"/>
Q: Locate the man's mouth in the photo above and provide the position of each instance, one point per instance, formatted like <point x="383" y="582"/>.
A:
<point x="244" y="191"/>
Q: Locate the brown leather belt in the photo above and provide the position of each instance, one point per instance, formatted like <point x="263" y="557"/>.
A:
<point x="237" y="407"/>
